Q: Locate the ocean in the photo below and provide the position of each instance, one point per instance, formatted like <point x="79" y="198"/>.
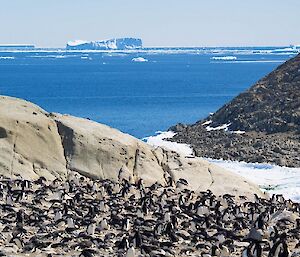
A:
<point x="138" y="92"/>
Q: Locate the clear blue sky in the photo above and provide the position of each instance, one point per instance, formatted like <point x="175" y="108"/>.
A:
<point x="158" y="22"/>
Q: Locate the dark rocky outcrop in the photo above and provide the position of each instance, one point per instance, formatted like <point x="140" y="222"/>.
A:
<point x="272" y="105"/>
<point x="268" y="113"/>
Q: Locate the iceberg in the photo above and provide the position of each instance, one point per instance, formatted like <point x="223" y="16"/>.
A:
<point x="111" y="44"/>
<point x="7" y="58"/>
<point x="224" y="58"/>
<point x="139" y="59"/>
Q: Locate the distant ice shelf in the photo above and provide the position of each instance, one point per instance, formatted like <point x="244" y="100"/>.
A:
<point x="111" y="44"/>
<point x="17" y="47"/>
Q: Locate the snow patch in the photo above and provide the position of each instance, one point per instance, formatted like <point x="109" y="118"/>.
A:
<point x="238" y="132"/>
<point x="112" y="44"/>
<point x="158" y="140"/>
<point x="206" y="122"/>
<point x="271" y="178"/>
<point x="222" y="127"/>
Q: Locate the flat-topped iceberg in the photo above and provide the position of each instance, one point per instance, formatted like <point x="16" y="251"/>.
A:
<point x="111" y="44"/>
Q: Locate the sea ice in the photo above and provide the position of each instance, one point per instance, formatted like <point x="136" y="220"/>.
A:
<point x="139" y="59"/>
<point x="7" y="57"/>
<point x="224" y="58"/>
<point x="271" y="178"/>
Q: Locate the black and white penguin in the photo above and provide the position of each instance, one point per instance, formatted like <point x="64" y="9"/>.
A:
<point x="126" y="224"/>
<point x="18" y="242"/>
<point x="91" y="228"/>
<point x="137" y="239"/>
<point x="253" y="250"/>
<point x="130" y="252"/>
<point x="123" y="244"/>
<point x="280" y="248"/>
<point x="87" y="253"/>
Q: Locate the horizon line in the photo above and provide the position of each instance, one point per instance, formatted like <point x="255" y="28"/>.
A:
<point x="145" y="47"/>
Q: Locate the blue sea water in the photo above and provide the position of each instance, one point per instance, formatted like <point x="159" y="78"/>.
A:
<point x="139" y="98"/>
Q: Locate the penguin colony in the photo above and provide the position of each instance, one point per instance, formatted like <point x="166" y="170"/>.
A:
<point x="84" y="217"/>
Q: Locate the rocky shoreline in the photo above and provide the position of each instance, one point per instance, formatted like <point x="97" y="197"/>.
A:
<point x="255" y="147"/>
<point x="260" y="125"/>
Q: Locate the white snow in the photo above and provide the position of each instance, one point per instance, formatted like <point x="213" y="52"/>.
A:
<point x="224" y="58"/>
<point x="112" y="44"/>
<point x="271" y="178"/>
<point x="139" y="59"/>
<point x="238" y="132"/>
<point x="222" y="127"/>
<point x="158" y="140"/>
<point x="207" y="122"/>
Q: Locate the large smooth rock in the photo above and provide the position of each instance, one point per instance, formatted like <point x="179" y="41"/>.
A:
<point x="35" y="143"/>
<point x="30" y="145"/>
<point x="202" y="175"/>
<point x="99" y="151"/>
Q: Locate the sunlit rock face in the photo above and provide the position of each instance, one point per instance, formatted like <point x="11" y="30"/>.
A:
<point x="36" y="143"/>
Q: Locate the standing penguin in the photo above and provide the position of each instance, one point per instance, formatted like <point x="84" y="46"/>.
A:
<point x="126" y="224"/>
<point x="91" y="228"/>
<point x="280" y="248"/>
<point x="253" y="250"/>
<point x="130" y="252"/>
<point x="137" y="239"/>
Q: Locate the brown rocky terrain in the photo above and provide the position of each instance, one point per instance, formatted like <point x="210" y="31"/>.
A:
<point x="269" y="116"/>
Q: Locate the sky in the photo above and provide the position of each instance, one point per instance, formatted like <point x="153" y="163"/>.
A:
<point x="165" y="23"/>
